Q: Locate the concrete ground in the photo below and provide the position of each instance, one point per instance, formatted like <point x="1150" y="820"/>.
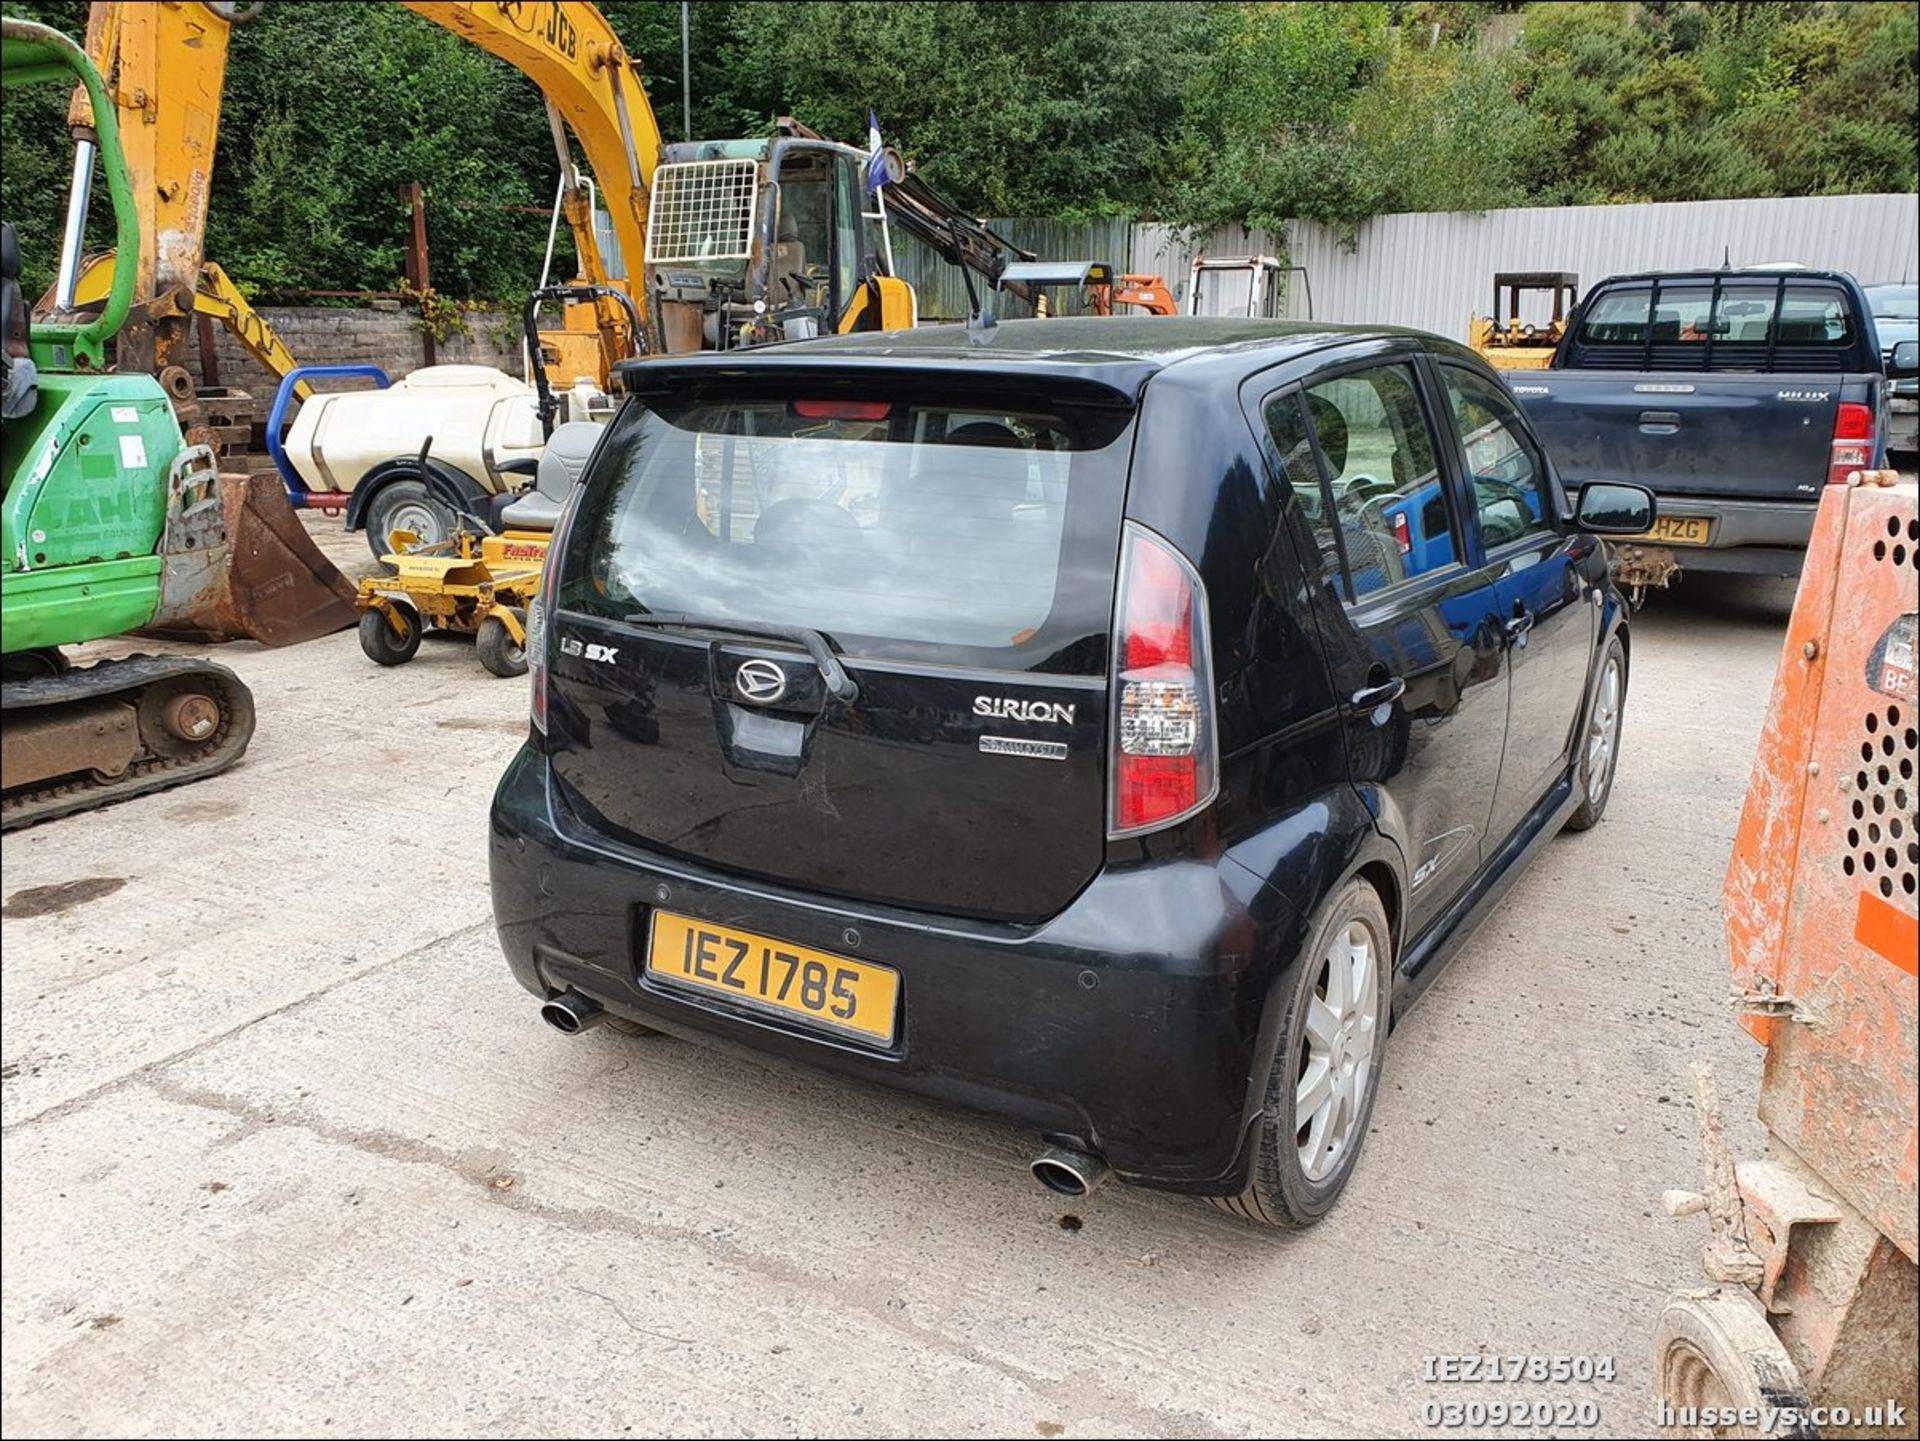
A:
<point x="287" y="1151"/>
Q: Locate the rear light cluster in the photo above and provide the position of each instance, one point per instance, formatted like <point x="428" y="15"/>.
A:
<point x="1164" y="766"/>
<point x="537" y="657"/>
<point x="540" y="610"/>
<point x="1852" y="442"/>
<point x="1402" y="532"/>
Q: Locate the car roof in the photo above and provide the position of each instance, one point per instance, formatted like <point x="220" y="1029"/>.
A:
<point x="1121" y="352"/>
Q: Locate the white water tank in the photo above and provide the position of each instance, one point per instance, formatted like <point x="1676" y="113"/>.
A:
<point x="479" y="418"/>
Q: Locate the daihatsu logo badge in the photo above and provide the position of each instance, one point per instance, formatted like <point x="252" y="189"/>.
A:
<point x="760" y="682"/>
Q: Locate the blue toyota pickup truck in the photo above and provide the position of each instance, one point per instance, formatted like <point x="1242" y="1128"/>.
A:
<point x="1734" y="395"/>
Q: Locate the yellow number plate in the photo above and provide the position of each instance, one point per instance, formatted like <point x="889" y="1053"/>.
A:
<point x="1679" y="530"/>
<point x="815" y="986"/>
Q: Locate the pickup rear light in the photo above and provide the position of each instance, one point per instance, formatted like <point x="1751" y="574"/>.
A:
<point x="1402" y="533"/>
<point x="1852" y="442"/>
<point x="1164" y="750"/>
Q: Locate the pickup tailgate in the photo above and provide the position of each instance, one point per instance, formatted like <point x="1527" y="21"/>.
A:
<point x="1751" y="437"/>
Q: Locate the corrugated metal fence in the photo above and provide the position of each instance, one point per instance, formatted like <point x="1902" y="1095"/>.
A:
<point x="943" y="292"/>
<point x="1433" y="271"/>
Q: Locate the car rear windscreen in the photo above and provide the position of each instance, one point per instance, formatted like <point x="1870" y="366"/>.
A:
<point x="976" y="530"/>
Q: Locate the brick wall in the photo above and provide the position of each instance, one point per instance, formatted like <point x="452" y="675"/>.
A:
<point x="391" y="339"/>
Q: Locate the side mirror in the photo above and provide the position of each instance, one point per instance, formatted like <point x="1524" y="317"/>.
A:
<point x="1905" y="364"/>
<point x="1610" y="507"/>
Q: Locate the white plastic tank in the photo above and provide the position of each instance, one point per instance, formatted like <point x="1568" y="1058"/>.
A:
<point x="479" y="418"/>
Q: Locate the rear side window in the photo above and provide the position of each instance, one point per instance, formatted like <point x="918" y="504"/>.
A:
<point x="1385" y="512"/>
<point x="893" y="527"/>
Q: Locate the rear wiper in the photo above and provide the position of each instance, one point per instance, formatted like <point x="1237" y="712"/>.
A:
<point x="815" y="643"/>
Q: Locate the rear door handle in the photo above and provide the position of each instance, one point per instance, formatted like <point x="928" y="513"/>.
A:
<point x="1660" y="422"/>
<point x="1385" y="693"/>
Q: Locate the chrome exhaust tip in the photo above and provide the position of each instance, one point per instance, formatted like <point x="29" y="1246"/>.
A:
<point x="1067" y="1172"/>
<point x="570" y="1013"/>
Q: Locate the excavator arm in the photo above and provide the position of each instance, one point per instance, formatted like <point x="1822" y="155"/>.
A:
<point x="955" y="235"/>
<point x="166" y="67"/>
<point x="214" y="295"/>
<point x="593" y="87"/>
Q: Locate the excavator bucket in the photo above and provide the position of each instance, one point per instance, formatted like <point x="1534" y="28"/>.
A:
<point x="269" y="582"/>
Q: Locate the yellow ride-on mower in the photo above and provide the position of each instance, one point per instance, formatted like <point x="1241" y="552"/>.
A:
<point x="480" y="580"/>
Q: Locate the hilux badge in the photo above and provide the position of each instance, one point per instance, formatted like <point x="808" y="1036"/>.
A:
<point x="760" y="681"/>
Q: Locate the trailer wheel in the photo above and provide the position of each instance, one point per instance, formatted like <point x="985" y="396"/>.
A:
<point x="499" y="652"/>
<point x="1715" y="1349"/>
<point x="378" y="640"/>
<point x="406" y="505"/>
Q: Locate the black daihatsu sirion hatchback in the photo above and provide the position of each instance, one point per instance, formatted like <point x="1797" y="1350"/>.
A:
<point x="1111" y="724"/>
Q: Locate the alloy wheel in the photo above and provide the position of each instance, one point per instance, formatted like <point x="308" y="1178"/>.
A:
<point x="1339" y="1051"/>
<point x="1603" y="732"/>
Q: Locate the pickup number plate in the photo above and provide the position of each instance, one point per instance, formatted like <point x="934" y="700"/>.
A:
<point x="1679" y="530"/>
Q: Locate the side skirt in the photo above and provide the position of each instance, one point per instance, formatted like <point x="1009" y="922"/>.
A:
<point x="1427" y="956"/>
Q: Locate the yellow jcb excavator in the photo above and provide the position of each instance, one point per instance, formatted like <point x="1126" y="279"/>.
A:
<point x="730" y="242"/>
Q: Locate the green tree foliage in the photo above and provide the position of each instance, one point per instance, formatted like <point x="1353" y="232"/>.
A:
<point x="1340" y="112"/>
<point x="1195" y="113"/>
<point x="330" y="109"/>
<point x="1010" y="109"/>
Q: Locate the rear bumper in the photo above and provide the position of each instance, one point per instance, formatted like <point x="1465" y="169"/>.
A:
<point x="1903" y="424"/>
<point x="1132" y="1024"/>
<point x="1749" y="537"/>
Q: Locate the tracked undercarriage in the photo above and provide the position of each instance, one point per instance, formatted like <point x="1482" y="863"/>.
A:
<point x="87" y="736"/>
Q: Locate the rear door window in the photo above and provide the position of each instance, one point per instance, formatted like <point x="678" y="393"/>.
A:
<point x="1386" y="510"/>
<point x="971" y="533"/>
<point x="1511" y="491"/>
<point x="1288" y="428"/>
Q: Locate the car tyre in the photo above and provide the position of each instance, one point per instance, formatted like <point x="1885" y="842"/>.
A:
<point x="379" y="642"/>
<point x="1600" y="740"/>
<point x="1333" y="1039"/>
<point x="499" y="652"/>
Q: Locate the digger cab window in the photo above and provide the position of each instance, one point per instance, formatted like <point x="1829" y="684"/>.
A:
<point x="798" y="268"/>
<point x="846" y="234"/>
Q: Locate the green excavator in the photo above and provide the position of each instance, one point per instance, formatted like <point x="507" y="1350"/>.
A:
<point x="112" y="523"/>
